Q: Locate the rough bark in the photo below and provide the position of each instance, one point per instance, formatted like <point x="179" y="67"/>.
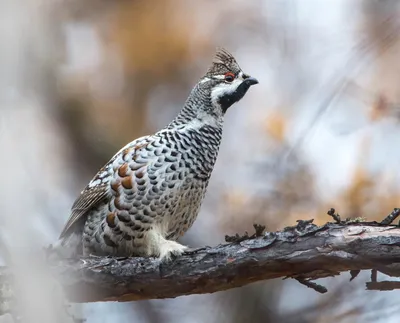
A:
<point x="304" y="252"/>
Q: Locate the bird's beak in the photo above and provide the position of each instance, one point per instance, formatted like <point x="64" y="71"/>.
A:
<point x="251" y="80"/>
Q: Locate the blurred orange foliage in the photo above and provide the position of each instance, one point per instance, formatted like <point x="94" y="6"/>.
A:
<point x="276" y="126"/>
<point x="161" y="21"/>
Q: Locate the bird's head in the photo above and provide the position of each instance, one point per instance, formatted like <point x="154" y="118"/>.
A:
<point x="225" y="82"/>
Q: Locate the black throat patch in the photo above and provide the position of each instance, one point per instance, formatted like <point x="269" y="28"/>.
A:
<point x="228" y="99"/>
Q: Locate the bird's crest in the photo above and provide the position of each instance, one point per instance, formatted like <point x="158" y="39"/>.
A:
<point x="222" y="63"/>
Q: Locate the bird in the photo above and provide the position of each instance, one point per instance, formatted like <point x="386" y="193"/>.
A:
<point x="150" y="192"/>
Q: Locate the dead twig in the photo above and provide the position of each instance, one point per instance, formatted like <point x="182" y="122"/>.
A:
<point x="391" y="217"/>
<point x="318" y="288"/>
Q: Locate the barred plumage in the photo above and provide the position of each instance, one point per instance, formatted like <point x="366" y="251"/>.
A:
<point x="150" y="192"/>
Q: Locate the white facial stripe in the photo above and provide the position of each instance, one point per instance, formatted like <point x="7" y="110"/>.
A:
<point x="223" y="89"/>
<point x="219" y="77"/>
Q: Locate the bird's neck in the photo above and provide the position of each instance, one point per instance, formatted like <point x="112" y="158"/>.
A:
<point x="197" y="131"/>
<point x="198" y="111"/>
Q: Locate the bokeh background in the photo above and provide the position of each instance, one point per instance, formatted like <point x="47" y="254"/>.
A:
<point x="80" y="79"/>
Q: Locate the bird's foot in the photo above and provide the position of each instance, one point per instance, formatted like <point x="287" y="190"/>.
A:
<point x="170" y="249"/>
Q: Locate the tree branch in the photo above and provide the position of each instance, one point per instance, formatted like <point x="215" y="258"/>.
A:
<point x="304" y="252"/>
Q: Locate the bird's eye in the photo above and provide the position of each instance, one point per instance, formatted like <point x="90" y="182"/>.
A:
<point x="229" y="77"/>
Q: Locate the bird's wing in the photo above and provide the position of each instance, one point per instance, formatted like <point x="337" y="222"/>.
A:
<point x="98" y="189"/>
<point x="89" y="198"/>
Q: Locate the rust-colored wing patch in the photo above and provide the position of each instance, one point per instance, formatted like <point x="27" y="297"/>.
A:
<point x="106" y="184"/>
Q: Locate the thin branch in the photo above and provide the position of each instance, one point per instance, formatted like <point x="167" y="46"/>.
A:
<point x="374" y="275"/>
<point x="318" y="288"/>
<point x="391" y="217"/>
<point x="383" y="285"/>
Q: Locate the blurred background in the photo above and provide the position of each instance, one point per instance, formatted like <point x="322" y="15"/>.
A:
<point x="80" y="79"/>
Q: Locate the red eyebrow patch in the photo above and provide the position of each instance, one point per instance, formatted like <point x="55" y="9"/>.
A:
<point x="229" y="77"/>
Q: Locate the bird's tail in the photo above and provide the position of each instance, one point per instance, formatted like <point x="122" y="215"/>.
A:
<point x="67" y="247"/>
